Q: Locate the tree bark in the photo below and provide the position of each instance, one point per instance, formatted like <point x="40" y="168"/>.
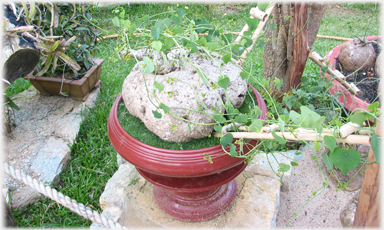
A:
<point x="289" y="36"/>
<point x="300" y="45"/>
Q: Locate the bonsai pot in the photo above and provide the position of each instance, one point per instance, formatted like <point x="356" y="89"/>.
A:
<point x="349" y="101"/>
<point x="186" y="186"/>
<point x="76" y="89"/>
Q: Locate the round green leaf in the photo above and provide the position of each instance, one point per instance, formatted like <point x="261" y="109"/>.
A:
<point x="252" y="23"/>
<point x="156" y="114"/>
<point x="244" y="75"/>
<point x="149" y="67"/>
<point x="157" y="45"/>
<point x="330" y="142"/>
<point x="223" y="81"/>
<point x="345" y="159"/>
<point x="165" y="108"/>
<point x="146" y="18"/>
<point x="227" y="58"/>
<point x="226" y="139"/>
<point x="284" y="167"/>
<point x="159" y="86"/>
<point x="155" y="32"/>
<point x="219" y="118"/>
<point x="232" y="150"/>
<point x="242" y="118"/>
<point x="217" y="128"/>
<point x="168" y="42"/>
<point x="279" y="139"/>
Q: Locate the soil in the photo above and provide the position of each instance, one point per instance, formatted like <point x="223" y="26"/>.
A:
<point x="366" y="81"/>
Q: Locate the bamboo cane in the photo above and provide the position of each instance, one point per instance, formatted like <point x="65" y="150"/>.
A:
<point x="348" y="129"/>
<point x="316" y="58"/>
<point x="332" y="37"/>
<point x="256" y="34"/>
<point x="351" y="139"/>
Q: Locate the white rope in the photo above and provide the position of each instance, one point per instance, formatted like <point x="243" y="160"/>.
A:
<point x="67" y="202"/>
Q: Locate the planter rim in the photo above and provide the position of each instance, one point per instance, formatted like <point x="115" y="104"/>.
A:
<point x="349" y="101"/>
<point x="167" y="162"/>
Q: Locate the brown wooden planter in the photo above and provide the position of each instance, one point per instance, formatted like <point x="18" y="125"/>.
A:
<point x="76" y="89"/>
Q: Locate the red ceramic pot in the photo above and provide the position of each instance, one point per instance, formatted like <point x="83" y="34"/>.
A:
<point x="349" y="101"/>
<point x="186" y="186"/>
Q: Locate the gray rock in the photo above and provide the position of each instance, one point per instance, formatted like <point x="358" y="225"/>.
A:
<point x="347" y="214"/>
<point x="51" y="160"/>
<point x="184" y="92"/>
<point x="261" y="165"/>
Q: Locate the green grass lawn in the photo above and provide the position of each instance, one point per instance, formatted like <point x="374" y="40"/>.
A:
<point x="92" y="149"/>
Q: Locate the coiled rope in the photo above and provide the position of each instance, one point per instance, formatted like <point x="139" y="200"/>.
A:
<point x="67" y="202"/>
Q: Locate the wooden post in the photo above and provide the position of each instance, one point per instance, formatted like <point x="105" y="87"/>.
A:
<point x="368" y="206"/>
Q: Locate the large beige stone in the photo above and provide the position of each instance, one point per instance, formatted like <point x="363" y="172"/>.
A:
<point x="185" y="93"/>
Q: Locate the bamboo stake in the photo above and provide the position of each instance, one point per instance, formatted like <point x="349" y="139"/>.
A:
<point x="332" y="37"/>
<point x="270" y="128"/>
<point x="315" y="57"/>
<point x="273" y="127"/>
<point x="351" y="139"/>
<point x="348" y="129"/>
<point x="256" y="34"/>
<point x="255" y="13"/>
<point x="108" y="36"/>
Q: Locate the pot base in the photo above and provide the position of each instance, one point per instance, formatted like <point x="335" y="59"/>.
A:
<point x="196" y="206"/>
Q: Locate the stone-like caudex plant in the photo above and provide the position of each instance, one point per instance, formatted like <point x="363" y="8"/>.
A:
<point x="187" y="83"/>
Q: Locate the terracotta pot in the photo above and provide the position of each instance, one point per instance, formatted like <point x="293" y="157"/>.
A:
<point x="186" y="186"/>
<point x="76" y="89"/>
<point x="349" y="101"/>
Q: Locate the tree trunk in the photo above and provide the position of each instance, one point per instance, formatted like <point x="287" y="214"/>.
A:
<point x="289" y="36"/>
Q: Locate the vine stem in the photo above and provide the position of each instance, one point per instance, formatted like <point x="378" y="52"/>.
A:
<point x="67" y="202"/>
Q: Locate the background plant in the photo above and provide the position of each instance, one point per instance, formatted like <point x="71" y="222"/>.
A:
<point x="64" y="33"/>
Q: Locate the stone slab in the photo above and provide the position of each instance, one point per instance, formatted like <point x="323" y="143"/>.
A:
<point x="128" y="200"/>
<point x="50" y="160"/>
<point x="39" y="144"/>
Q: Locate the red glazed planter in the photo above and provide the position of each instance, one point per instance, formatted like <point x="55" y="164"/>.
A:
<point x="349" y="101"/>
<point x="186" y="186"/>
